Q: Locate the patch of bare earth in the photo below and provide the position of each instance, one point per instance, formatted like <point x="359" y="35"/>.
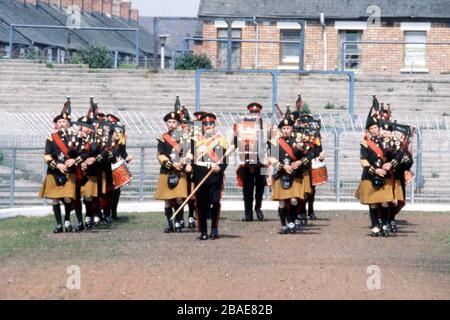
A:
<point x="329" y="259"/>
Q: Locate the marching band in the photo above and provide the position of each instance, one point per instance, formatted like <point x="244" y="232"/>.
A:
<point x="87" y="159"/>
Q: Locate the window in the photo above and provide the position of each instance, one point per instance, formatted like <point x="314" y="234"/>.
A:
<point x="352" y="52"/>
<point x="235" y="49"/>
<point x="290" y="52"/>
<point x="415" y="55"/>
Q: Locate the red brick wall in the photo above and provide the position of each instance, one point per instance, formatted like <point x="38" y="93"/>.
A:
<point x="87" y="6"/>
<point x="438" y="56"/>
<point x="97" y="5"/>
<point x="376" y="58"/>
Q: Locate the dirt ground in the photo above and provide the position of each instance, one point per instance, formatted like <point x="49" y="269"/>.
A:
<point x="133" y="259"/>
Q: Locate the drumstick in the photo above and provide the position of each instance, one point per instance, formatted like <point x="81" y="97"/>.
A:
<point x="229" y="152"/>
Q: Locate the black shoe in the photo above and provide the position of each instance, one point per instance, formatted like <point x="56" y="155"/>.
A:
<point x="394" y="228"/>
<point x="79" y="227"/>
<point x="284" y="230"/>
<point x="68" y="226"/>
<point x="58" y="229"/>
<point x="177" y="227"/>
<point x="169" y="230"/>
<point x="375" y="232"/>
<point x="303" y="220"/>
<point x="191" y="223"/>
<point x="214" y="234"/>
<point x="312" y="216"/>
<point x="108" y="220"/>
<point x="247" y="219"/>
<point x="259" y="214"/>
<point x="203" y="237"/>
<point x="385" y="230"/>
<point x="292" y="228"/>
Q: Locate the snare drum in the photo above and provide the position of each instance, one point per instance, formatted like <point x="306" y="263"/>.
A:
<point x="319" y="173"/>
<point x="121" y="174"/>
<point x="409" y="177"/>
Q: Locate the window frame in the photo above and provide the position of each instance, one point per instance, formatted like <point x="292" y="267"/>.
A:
<point x="345" y="32"/>
<point x="218" y="30"/>
<point x="295" y="59"/>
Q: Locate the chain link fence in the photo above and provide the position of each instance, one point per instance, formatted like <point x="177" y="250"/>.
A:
<point x="22" y="168"/>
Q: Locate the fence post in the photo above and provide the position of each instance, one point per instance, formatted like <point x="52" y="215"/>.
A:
<point x="337" y="182"/>
<point x="12" y="178"/>
<point x="229" y="43"/>
<point x="11" y="42"/>
<point x="116" y="59"/>
<point x="419" y="176"/>
<point x="301" y="61"/>
<point x="141" y="180"/>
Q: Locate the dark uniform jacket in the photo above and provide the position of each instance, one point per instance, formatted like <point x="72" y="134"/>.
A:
<point x="305" y="155"/>
<point x="202" y="166"/>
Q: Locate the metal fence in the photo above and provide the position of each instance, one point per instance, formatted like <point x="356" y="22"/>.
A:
<point x="22" y="168"/>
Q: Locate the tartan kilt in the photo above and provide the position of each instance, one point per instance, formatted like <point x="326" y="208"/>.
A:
<point x="300" y="187"/>
<point x="90" y="189"/>
<point x="50" y="190"/>
<point x="388" y="193"/>
<point x="163" y="192"/>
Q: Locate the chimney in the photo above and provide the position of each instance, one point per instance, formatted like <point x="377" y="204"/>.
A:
<point x="108" y="7"/>
<point x="66" y="3"/>
<point x="134" y="15"/>
<point x="78" y="3"/>
<point x="97" y="6"/>
<point x="125" y="10"/>
<point x="116" y="8"/>
<point x="55" y="3"/>
<point x="87" y="6"/>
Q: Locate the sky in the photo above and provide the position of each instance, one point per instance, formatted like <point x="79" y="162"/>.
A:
<point x="167" y="8"/>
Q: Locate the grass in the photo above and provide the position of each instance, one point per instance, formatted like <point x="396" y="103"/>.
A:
<point x="25" y="238"/>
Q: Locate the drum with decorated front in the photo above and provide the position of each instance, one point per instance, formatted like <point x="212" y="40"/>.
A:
<point x="121" y="174"/>
<point x="319" y="173"/>
<point x="250" y="145"/>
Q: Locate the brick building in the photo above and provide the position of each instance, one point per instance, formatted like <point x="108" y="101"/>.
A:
<point x="59" y="45"/>
<point x="424" y="23"/>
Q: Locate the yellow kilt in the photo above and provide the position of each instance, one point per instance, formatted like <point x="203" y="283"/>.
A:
<point x="368" y="195"/>
<point x="163" y="192"/>
<point x="50" y="190"/>
<point x="300" y="187"/>
<point x="90" y="188"/>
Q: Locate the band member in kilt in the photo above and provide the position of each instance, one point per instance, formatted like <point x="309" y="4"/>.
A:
<point x="291" y="181"/>
<point x="94" y="184"/>
<point x="378" y="187"/>
<point x="397" y="142"/>
<point x="119" y="150"/>
<point x="251" y="141"/>
<point x="186" y="142"/>
<point x="209" y="158"/>
<point x="307" y="130"/>
<point x="60" y="181"/>
<point x="172" y="183"/>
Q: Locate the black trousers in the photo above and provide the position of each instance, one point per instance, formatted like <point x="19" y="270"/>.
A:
<point x="208" y="200"/>
<point x="253" y="188"/>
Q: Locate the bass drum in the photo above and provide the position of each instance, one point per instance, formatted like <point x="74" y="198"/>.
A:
<point x="250" y="142"/>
